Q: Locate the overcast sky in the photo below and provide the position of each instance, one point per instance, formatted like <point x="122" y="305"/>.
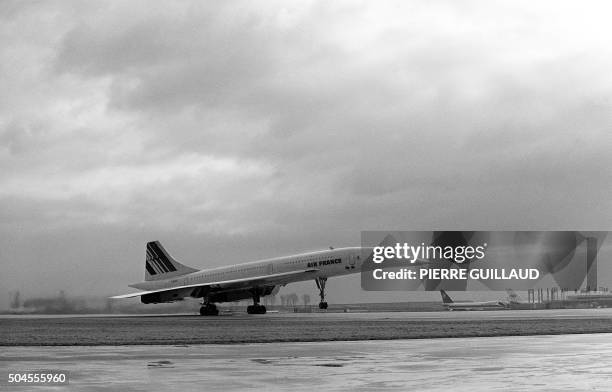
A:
<point x="234" y="130"/>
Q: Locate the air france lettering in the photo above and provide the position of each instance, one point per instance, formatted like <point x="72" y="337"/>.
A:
<point x="324" y="262"/>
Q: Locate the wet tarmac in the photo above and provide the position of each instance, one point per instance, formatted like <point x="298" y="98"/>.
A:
<point x="512" y="363"/>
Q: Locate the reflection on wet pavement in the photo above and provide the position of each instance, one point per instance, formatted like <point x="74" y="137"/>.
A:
<point x="540" y="363"/>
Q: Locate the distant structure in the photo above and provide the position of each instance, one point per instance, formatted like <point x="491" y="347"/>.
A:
<point x="16" y="301"/>
<point x="591" y="296"/>
<point x="591" y="261"/>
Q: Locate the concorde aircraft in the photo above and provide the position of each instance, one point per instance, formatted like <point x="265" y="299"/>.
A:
<point x="449" y="304"/>
<point x="167" y="280"/>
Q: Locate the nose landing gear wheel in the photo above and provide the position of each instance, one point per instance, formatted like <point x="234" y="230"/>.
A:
<point x="320" y="281"/>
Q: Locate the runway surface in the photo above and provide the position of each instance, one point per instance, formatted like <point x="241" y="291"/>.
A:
<point x="518" y="363"/>
<point x="295" y="327"/>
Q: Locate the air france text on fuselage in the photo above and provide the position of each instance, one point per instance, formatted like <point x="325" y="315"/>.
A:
<point x="324" y="262"/>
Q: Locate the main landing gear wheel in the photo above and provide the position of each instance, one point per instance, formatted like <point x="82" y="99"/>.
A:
<point x="209" y="310"/>
<point x="321" y="286"/>
<point x="256" y="309"/>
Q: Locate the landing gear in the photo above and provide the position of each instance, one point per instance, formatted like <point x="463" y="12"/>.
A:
<point x="209" y="309"/>
<point x="320" y="281"/>
<point x="256" y="308"/>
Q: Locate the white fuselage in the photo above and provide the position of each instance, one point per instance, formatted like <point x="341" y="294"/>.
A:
<point x="490" y="305"/>
<point x="325" y="263"/>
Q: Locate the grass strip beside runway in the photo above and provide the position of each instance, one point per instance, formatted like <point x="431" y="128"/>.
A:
<point x="261" y="329"/>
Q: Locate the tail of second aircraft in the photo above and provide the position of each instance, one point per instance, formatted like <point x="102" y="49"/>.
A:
<point x="445" y="298"/>
<point x="160" y="265"/>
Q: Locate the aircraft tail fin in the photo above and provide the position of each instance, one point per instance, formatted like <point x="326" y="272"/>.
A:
<point x="445" y="297"/>
<point x="160" y="265"/>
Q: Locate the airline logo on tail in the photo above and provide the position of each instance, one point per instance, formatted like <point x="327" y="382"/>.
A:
<point x="157" y="262"/>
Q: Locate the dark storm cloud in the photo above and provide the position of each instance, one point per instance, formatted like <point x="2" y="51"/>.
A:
<point x="276" y="128"/>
